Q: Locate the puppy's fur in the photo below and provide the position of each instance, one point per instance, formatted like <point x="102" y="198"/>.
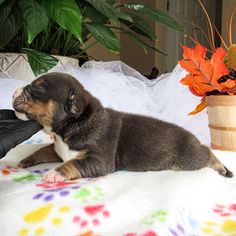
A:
<point x="94" y="141"/>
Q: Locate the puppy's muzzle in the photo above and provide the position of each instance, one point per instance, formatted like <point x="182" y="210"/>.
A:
<point x="19" y="100"/>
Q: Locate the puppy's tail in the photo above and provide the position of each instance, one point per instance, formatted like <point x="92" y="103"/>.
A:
<point x="215" y="164"/>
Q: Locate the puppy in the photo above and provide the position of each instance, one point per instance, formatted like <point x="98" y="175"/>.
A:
<point x="94" y="141"/>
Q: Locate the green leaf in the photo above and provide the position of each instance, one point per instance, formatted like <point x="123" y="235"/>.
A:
<point x="143" y="43"/>
<point x="94" y="15"/>
<point x="156" y="15"/>
<point x="5" y="10"/>
<point x="137" y="40"/>
<point x="40" y="62"/>
<point x="67" y="14"/>
<point x="1" y="1"/>
<point x="124" y="16"/>
<point x="111" y="1"/>
<point x="35" y="17"/>
<point x="140" y="26"/>
<point x="105" y="36"/>
<point x="105" y="8"/>
<point x="10" y="27"/>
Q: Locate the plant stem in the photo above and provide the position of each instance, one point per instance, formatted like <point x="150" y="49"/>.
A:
<point x="230" y="26"/>
<point x="86" y="48"/>
<point x="222" y="40"/>
<point x="209" y="24"/>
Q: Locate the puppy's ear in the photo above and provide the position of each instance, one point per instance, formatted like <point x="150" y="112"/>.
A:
<point x="75" y="104"/>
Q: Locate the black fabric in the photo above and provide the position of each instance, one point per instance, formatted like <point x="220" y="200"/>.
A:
<point x="6" y="114"/>
<point x="14" y="131"/>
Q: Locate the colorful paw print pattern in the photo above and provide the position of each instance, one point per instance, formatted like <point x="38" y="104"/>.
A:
<point x="42" y="171"/>
<point x="88" y="233"/>
<point x="86" y="194"/>
<point x="159" y="215"/>
<point x="184" y="224"/>
<point x="52" y="190"/>
<point x="34" y="220"/>
<point x="64" y="189"/>
<point x="146" y="233"/>
<point x="8" y="170"/>
<point x="88" y="213"/>
<point x="225" y="211"/>
<point x="48" y="215"/>
<point x="167" y="220"/>
<point x="179" y="230"/>
<point x="225" y="225"/>
<point x="94" y="215"/>
<point x="17" y="175"/>
<point x="226" y="228"/>
<point x="26" y="177"/>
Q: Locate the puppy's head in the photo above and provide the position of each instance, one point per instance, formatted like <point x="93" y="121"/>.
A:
<point x="50" y="98"/>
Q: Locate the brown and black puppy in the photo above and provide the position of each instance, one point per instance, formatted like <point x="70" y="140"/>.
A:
<point x="94" y="141"/>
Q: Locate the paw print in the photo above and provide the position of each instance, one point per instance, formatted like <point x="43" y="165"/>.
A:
<point x="209" y="227"/>
<point x="88" y="233"/>
<point x="39" y="171"/>
<point x="17" y="175"/>
<point x="47" y="185"/>
<point x="159" y="215"/>
<point x="26" y="177"/>
<point x="95" y="213"/>
<point x="61" y="189"/>
<point x="147" y="233"/>
<point x="7" y="170"/>
<point x="35" y="219"/>
<point x="227" y="228"/>
<point x="178" y="230"/>
<point x="86" y="194"/>
<point x="225" y="211"/>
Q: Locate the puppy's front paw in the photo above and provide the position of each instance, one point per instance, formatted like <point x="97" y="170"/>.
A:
<point x="53" y="176"/>
<point x="27" y="163"/>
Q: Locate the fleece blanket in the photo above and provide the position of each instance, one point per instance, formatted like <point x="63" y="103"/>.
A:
<point x="120" y="204"/>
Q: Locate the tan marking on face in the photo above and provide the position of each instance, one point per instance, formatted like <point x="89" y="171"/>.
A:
<point x="69" y="169"/>
<point x="43" y="112"/>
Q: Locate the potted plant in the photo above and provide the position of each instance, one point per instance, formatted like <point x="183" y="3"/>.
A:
<point x="42" y="28"/>
<point x="212" y="76"/>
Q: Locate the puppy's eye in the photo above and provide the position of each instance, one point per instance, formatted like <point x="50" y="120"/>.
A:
<point x="37" y="91"/>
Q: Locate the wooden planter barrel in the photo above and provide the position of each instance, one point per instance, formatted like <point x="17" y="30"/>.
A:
<point x="222" y="121"/>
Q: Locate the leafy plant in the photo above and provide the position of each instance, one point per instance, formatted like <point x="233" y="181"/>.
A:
<point x="40" y="28"/>
<point x="212" y="75"/>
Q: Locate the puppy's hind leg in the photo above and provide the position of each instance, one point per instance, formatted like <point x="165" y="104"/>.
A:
<point x="215" y="164"/>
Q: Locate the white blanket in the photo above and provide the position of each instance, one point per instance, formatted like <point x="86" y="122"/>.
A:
<point x="120" y="204"/>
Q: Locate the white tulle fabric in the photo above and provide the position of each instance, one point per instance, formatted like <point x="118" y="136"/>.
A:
<point x="122" y="88"/>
